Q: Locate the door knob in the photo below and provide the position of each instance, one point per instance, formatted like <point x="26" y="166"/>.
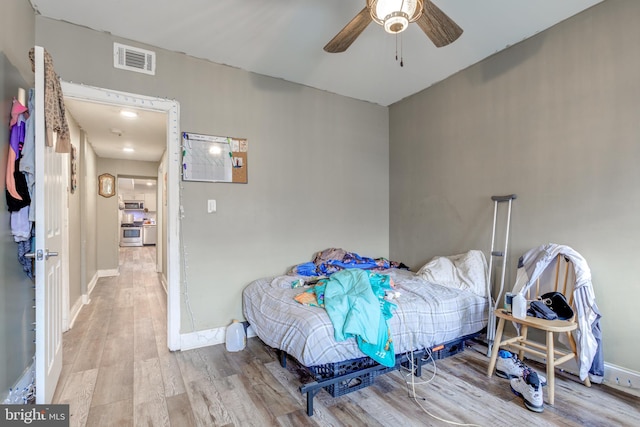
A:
<point x="40" y="254"/>
<point x="48" y="254"/>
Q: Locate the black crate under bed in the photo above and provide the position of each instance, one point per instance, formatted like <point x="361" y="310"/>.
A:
<point x="344" y="377"/>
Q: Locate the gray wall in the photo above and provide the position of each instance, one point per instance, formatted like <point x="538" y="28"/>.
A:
<point x="87" y="186"/>
<point x="75" y="231"/>
<point x="318" y="167"/>
<point x="16" y="289"/>
<point x="108" y="236"/>
<point x="89" y="214"/>
<point x="83" y="242"/>
<point x="554" y="119"/>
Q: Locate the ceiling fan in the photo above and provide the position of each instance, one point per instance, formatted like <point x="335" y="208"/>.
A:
<point x="395" y="16"/>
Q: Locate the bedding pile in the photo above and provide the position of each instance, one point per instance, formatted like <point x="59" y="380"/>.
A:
<point x="355" y="302"/>
<point x="424" y="313"/>
<point x="332" y="260"/>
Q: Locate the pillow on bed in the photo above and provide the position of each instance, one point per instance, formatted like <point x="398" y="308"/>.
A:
<point x="467" y="271"/>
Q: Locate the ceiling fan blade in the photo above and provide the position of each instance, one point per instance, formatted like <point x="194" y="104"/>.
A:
<point x="438" y="26"/>
<point x="350" y="32"/>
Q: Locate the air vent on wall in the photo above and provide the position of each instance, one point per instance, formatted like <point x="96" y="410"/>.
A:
<point x="134" y="59"/>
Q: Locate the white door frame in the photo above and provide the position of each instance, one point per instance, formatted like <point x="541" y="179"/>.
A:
<point x="160" y="191"/>
<point x="172" y="109"/>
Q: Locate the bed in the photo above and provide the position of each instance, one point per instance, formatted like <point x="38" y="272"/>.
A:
<point x="442" y="304"/>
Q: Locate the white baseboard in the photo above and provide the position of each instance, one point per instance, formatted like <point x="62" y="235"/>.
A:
<point x="206" y="338"/>
<point x="622" y="378"/>
<point x="75" y="310"/>
<point x="84" y="300"/>
<point x="625" y="378"/>
<point x="250" y="332"/>
<point x="163" y="282"/>
<point x="108" y="273"/>
<point x="202" y="338"/>
<point x="92" y="284"/>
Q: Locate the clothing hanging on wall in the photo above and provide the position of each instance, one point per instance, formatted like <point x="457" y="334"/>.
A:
<point x="55" y="117"/>
<point x="16" y="192"/>
<point x="27" y="155"/>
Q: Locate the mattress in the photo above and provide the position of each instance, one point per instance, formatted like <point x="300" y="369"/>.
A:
<point x="427" y="314"/>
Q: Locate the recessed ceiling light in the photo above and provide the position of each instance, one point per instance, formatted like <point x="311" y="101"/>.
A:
<point x="128" y="149"/>
<point x="128" y="114"/>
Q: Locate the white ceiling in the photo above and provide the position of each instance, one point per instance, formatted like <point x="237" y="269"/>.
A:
<point x="284" y="38"/>
<point x="109" y="132"/>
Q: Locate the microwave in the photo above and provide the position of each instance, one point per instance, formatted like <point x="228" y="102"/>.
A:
<point x="134" y="204"/>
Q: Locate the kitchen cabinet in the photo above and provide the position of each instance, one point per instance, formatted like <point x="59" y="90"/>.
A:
<point x="133" y="196"/>
<point x="149" y="234"/>
<point x="150" y="202"/>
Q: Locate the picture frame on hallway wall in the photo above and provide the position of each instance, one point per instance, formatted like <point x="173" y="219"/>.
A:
<point x="106" y="185"/>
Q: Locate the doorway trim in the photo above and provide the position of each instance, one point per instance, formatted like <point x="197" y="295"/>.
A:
<point x="172" y="109"/>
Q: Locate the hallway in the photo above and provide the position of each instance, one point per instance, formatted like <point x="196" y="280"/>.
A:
<point x="117" y="369"/>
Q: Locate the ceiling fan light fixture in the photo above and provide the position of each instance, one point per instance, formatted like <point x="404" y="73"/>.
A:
<point x="396" y="23"/>
<point x="395" y="15"/>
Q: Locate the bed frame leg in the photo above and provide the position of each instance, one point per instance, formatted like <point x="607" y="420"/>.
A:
<point x="310" y="395"/>
<point x="418" y="364"/>
<point x="282" y="357"/>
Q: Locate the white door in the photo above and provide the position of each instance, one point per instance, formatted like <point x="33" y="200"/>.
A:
<point x="50" y="194"/>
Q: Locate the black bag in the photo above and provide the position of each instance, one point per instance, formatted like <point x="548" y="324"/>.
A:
<point x="558" y="303"/>
<point x="539" y="309"/>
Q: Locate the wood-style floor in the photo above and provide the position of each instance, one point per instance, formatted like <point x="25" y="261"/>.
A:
<point x="118" y="372"/>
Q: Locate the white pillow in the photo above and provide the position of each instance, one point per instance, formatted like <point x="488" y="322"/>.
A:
<point x="467" y="271"/>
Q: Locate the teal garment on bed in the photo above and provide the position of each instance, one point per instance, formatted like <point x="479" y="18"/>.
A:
<point x="354" y="300"/>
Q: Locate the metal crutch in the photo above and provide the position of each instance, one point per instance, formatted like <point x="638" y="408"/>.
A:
<point x="491" y="327"/>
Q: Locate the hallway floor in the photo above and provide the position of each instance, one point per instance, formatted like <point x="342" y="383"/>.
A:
<point x="115" y="361"/>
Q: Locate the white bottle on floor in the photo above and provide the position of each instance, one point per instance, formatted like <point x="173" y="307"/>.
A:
<point x="235" y="338"/>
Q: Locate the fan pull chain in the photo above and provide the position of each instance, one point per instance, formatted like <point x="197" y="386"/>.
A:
<point x="396" y="47"/>
<point x="401" y="59"/>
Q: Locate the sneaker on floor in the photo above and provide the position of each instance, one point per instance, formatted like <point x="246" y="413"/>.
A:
<point x="528" y="387"/>
<point x="509" y="366"/>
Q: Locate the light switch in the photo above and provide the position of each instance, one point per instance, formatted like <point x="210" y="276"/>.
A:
<point x="211" y="206"/>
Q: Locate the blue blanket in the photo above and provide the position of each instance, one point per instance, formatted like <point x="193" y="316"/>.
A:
<point x="332" y="260"/>
<point x="354" y="300"/>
